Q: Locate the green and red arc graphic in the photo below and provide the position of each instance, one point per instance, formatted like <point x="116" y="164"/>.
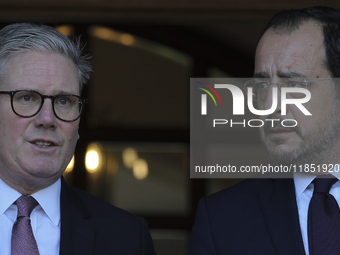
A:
<point x="209" y="93"/>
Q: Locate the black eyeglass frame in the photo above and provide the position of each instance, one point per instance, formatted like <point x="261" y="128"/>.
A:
<point x="303" y="81"/>
<point x="82" y="101"/>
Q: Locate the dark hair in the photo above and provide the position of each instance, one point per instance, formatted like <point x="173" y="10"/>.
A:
<point x="289" y="21"/>
<point x="23" y="37"/>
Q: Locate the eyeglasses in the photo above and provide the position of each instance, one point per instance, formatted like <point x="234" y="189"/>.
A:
<point x="27" y="103"/>
<point x="260" y="87"/>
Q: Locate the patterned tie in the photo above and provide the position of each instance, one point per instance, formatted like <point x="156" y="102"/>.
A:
<point x="323" y="219"/>
<point x="23" y="242"/>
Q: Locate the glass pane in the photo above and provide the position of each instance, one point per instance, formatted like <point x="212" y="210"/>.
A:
<point x="146" y="179"/>
<point x="137" y="83"/>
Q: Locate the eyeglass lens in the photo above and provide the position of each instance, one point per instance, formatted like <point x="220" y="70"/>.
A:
<point x="29" y="103"/>
<point x="261" y="87"/>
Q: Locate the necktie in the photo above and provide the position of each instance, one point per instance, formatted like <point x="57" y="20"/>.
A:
<point x="323" y="219"/>
<point x="23" y="242"/>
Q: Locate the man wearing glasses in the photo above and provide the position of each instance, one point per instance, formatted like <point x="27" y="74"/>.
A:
<point x="299" y="49"/>
<point x="41" y="77"/>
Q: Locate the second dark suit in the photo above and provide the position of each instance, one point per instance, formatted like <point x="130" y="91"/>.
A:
<point x="255" y="217"/>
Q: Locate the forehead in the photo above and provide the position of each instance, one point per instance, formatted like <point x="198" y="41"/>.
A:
<point x="44" y="72"/>
<point x="300" y="53"/>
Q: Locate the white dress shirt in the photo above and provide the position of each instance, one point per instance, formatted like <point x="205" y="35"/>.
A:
<point x="304" y="191"/>
<point x="45" y="218"/>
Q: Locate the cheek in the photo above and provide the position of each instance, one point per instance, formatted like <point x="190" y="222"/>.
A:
<point x="71" y="132"/>
<point x="320" y="111"/>
<point x="13" y="128"/>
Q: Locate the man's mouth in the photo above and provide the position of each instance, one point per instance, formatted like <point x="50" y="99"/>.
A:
<point x="43" y="144"/>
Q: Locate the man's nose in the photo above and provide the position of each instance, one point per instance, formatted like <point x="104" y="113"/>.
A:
<point x="274" y="92"/>
<point x="46" y="116"/>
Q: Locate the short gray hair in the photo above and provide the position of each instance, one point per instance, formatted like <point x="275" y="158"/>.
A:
<point x="22" y="37"/>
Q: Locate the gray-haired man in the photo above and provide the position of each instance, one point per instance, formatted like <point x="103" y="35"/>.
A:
<point x="41" y="77"/>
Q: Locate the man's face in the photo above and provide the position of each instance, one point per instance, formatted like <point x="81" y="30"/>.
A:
<point x="299" y="54"/>
<point x="35" y="151"/>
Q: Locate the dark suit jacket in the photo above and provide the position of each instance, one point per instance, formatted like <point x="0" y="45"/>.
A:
<point x="92" y="226"/>
<point x="255" y="217"/>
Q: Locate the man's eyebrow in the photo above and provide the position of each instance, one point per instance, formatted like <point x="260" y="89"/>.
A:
<point x="63" y="92"/>
<point x="280" y="74"/>
<point x="290" y="75"/>
<point x="261" y="75"/>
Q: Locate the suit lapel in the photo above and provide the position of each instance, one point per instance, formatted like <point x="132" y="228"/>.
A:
<point x="77" y="231"/>
<point x="280" y="212"/>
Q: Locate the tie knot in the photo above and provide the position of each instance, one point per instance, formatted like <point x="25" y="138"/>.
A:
<point x="322" y="184"/>
<point x="25" y="204"/>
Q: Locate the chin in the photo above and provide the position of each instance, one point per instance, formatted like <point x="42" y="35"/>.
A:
<point x="283" y="153"/>
<point x="44" y="170"/>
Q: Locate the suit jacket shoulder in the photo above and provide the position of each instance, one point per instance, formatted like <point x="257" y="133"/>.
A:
<point x="256" y="216"/>
<point x="92" y="226"/>
<point x="241" y="192"/>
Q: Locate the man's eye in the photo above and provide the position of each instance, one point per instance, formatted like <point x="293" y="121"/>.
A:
<point x="64" y="101"/>
<point x="295" y="84"/>
<point x="26" y="98"/>
<point x="261" y="86"/>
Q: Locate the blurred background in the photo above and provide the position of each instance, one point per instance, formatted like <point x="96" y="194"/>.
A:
<point x="134" y="135"/>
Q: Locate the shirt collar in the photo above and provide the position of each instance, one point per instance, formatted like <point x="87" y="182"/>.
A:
<point x="48" y="198"/>
<point x="8" y="196"/>
<point x="303" y="180"/>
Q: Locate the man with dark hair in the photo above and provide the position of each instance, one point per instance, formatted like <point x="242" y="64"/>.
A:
<point x="299" y="48"/>
<point x="42" y="73"/>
